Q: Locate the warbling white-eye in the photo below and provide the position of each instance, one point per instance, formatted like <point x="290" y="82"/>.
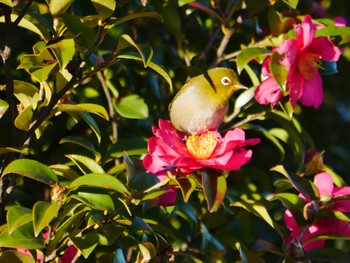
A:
<point x="202" y="102"/>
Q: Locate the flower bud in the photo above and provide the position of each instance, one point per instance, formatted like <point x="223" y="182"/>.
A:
<point x="293" y="247"/>
<point x="310" y="210"/>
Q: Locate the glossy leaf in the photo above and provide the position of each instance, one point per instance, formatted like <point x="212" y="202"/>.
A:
<point x="278" y="71"/>
<point x="294" y="204"/>
<point x="209" y="242"/>
<point x="132" y="107"/>
<point x="105" y="181"/>
<point x="18" y="216"/>
<point x="86" y="244"/>
<point x="105" y="8"/>
<point x="248" y="256"/>
<point x="31" y="169"/>
<point x="86" y="164"/>
<point x="147" y="250"/>
<point x="24" y="119"/>
<point x="157" y="68"/>
<point x="187" y="185"/>
<point x="92" y="123"/>
<point x="279" y="24"/>
<point x="15" y="257"/>
<point x="26" y="93"/>
<point x="95" y="198"/>
<point x="331" y="31"/>
<point x="43" y="213"/>
<point x="248" y="54"/>
<point x="292" y="3"/>
<point x="22" y="237"/>
<point x="3" y="107"/>
<point x="84" y="107"/>
<point x="83" y="142"/>
<point x="64" y="51"/>
<point x="214" y="187"/>
<point x="58" y="7"/>
<point x="145" y="51"/>
<point x="7" y="2"/>
<point x="4" y="150"/>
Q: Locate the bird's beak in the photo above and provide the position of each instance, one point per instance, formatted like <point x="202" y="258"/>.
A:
<point x="240" y="86"/>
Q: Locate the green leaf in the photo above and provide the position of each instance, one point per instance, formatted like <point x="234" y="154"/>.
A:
<point x="15" y="257"/>
<point x="248" y="54"/>
<point x="43" y="213"/>
<point x="187" y="185"/>
<point x="4" y="150"/>
<point x="147" y="250"/>
<point x="292" y="3"/>
<point x="259" y="210"/>
<point x="327" y="254"/>
<point x="18" y="216"/>
<point x="83" y="142"/>
<point x="105" y="8"/>
<point x="7" y="2"/>
<point x="95" y="198"/>
<point x="86" y="164"/>
<point x="132" y="146"/>
<point x="24" y="119"/>
<point x="119" y="256"/>
<point x="157" y="68"/>
<point x="3" y="107"/>
<point x="214" y="187"/>
<point x="86" y="244"/>
<point x="331" y="31"/>
<point x="58" y="7"/>
<point x="279" y="24"/>
<point x="92" y="123"/>
<point x="64" y="51"/>
<point x="294" y="204"/>
<point x="105" y="181"/>
<point x="32" y="169"/>
<point x="302" y="184"/>
<point x="145" y="51"/>
<point x="84" y="107"/>
<point x="22" y="237"/>
<point x="138" y="224"/>
<point x="132" y="107"/>
<point x="278" y="71"/>
<point x="247" y="256"/>
<point x="209" y="242"/>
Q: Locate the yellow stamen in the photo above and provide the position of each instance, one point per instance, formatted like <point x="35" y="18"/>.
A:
<point x="308" y="63"/>
<point x="201" y="146"/>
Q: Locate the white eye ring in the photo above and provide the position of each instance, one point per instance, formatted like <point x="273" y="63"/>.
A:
<point x="226" y="81"/>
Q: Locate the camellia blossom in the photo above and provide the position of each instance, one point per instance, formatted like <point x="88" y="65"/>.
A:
<point x="327" y="191"/>
<point x="170" y="151"/>
<point x="302" y="57"/>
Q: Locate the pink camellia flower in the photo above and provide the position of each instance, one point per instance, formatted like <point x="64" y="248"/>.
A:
<point x="302" y="58"/>
<point x="327" y="192"/>
<point x="170" y="151"/>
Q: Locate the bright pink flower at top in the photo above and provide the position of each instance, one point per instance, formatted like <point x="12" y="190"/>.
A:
<point x="302" y="58"/>
<point x="169" y="151"/>
<point x="326" y="190"/>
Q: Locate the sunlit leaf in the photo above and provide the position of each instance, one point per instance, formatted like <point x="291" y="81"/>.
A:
<point x="157" y="68"/>
<point x="32" y="169"/>
<point x="15" y="257"/>
<point x="43" y="213"/>
<point x="4" y="150"/>
<point x="147" y="250"/>
<point x="7" y="2"/>
<point x="187" y="185"/>
<point x="214" y="187"/>
<point x="292" y="3"/>
<point x="64" y="51"/>
<point x="294" y="204"/>
<point x="278" y="71"/>
<point x="86" y="244"/>
<point x="248" y="54"/>
<point x="86" y="164"/>
<point x="24" y="119"/>
<point x="132" y="107"/>
<point x="3" y="107"/>
<point x="18" y="216"/>
<point x="58" y="7"/>
<point x="343" y="32"/>
<point x="279" y="24"/>
<point x="101" y="181"/>
<point x="84" y="107"/>
<point x="22" y="237"/>
<point x="96" y="198"/>
<point x="105" y="8"/>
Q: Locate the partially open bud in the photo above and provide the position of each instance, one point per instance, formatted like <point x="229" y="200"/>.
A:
<point x="293" y="247"/>
<point x="310" y="210"/>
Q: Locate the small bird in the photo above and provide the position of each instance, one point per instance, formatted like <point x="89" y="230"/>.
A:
<point x="202" y="102"/>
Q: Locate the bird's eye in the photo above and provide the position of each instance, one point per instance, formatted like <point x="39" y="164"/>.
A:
<point x="226" y="81"/>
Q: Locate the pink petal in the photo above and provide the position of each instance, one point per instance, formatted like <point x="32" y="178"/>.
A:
<point x="69" y="255"/>
<point x="324" y="184"/>
<point x="294" y="85"/>
<point x="289" y="51"/>
<point x="291" y="223"/>
<point x="305" y="32"/>
<point x="325" y="48"/>
<point x="265" y="66"/>
<point x="312" y="91"/>
<point x="168" y="198"/>
<point x="268" y="92"/>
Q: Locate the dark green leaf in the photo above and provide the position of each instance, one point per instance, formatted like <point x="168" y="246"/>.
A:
<point x="187" y="185"/>
<point x="15" y="257"/>
<point x="139" y="224"/>
<point x="4" y="150"/>
<point x="328" y="67"/>
<point x="294" y="204"/>
<point x="247" y="256"/>
<point x="92" y="123"/>
<point x="327" y="254"/>
<point x="105" y="181"/>
<point x="132" y="107"/>
<point x="86" y="244"/>
<point x="214" y="187"/>
<point x="43" y="213"/>
<point x="32" y="169"/>
<point x="105" y="8"/>
<point x="83" y="142"/>
<point x="209" y="242"/>
<point x="86" y="164"/>
<point x="3" y="107"/>
<point x="279" y="24"/>
<point x="119" y="256"/>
